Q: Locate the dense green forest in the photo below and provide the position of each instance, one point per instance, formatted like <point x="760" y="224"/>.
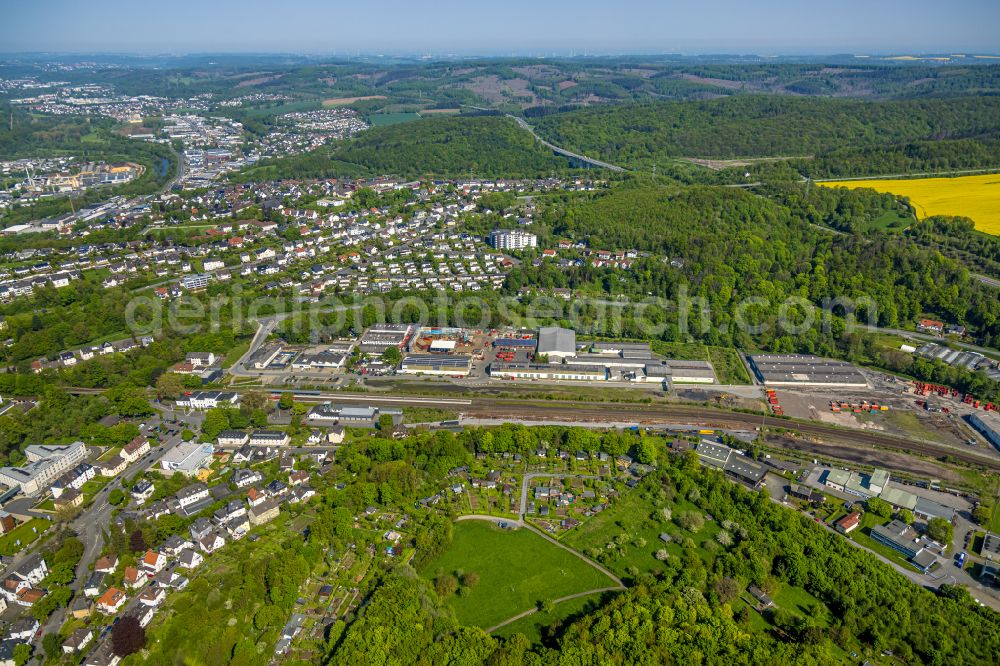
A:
<point x="840" y="134"/>
<point x="483" y="146"/>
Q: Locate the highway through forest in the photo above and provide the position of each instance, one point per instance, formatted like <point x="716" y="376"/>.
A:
<point x="562" y="151"/>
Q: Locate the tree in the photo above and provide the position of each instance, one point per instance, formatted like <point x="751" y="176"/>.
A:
<point x="445" y="585"/>
<point x="982" y="513"/>
<point x="878" y="506"/>
<point x="692" y="521"/>
<point x="169" y="385"/>
<point x="254" y="400"/>
<point x="385" y="422"/>
<point x="905" y="515"/>
<point x="392" y="355"/>
<point x="645" y="451"/>
<point x="285" y="401"/>
<point x="22" y="653"/>
<point x="940" y="530"/>
<point x="116" y="496"/>
<point x="127" y="636"/>
<point x="216" y="420"/>
<point x="187" y="434"/>
<point x="470" y="579"/>
<point x="52" y="645"/>
<point x="137" y="542"/>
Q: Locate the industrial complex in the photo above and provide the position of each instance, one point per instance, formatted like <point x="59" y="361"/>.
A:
<point x="805" y="370"/>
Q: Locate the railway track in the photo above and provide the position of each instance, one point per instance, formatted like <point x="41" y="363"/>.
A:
<point x="684" y="414"/>
<point x="516" y="410"/>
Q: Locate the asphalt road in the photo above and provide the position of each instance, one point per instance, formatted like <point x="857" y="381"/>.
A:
<point x="93" y="521"/>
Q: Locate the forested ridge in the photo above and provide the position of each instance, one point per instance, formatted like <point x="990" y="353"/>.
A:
<point x="480" y="146"/>
<point x="840" y="134"/>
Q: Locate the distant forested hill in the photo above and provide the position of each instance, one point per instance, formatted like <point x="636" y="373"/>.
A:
<point x="455" y="146"/>
<point x="841" y="134"/>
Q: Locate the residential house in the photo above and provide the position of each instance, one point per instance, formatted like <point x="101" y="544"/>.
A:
<point x="153" y="596"/>
<point x="233" y="438"/>
<point x="133" y="578"/>
<point x="111" y="601"/>
<point x="255" y="497"/>
<point x="264" y="512"/>
<point x="78" y="640"/>
<point x="848" y="523"/>
<point x="212" y="542"/>
<point x="269" y="438"/>
<point x="113" y="466"/>
<point x="135" y="449"/>
<point x="190" y="559"/>
<point x="106" y="564"/>
<point x="94" y="585"/>
<point x="243" y="478"/>
<point x="153" y="562"/>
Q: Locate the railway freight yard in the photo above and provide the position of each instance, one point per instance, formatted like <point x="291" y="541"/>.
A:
<point x="551" y="362"/>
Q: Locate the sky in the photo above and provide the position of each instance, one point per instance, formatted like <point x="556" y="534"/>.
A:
<point x="501" y="27"/>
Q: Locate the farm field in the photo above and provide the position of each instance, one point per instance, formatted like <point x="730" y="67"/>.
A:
<point x="975" y="197"/>
<point x="516" y="570"/>
<point x="342" y="101"/>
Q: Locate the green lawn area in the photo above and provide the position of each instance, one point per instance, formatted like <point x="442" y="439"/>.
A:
<point x="516" y="569"/>
<point x="533" y="625"/>
<point x="236" y="352"/>
<point x="24" y="533"/>
<point x="799" y="601"/>
<point x="109" y="454"/>
<point x="890" y="221"/>
<point x="729" y="367"/>
<point x="92" y="487"/>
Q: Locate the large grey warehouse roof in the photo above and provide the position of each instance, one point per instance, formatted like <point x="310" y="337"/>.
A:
<point x="437" y="360"/>
<point x="555" y="339"/>
<point x="805" y="370"/>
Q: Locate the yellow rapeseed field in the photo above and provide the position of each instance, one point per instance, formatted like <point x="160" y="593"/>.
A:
<point x="975" y="197"/>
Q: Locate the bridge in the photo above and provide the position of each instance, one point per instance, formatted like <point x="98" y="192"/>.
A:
<point x="575" y="158"/>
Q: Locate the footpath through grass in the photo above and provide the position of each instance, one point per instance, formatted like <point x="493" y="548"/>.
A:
<point x="516" y="570"/>
<point x="535" y="624"/>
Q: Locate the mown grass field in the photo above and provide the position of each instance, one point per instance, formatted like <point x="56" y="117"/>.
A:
<point x="516" y="568"/>
<point x="533" y="625"/>
<point x="975" y="197"/>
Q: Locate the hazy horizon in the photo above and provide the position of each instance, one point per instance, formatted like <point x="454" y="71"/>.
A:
<point x="514" y="28"/>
